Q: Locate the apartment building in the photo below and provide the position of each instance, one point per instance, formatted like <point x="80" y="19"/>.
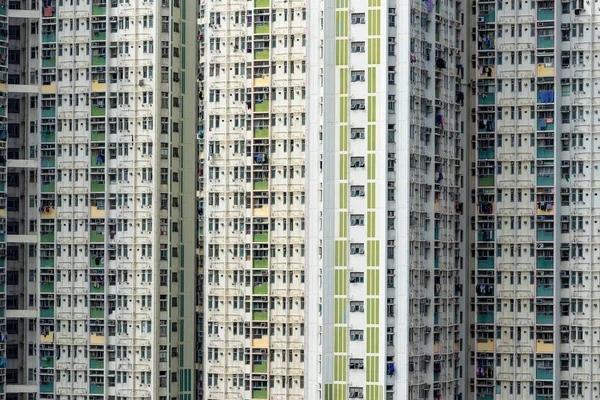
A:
<point x="97" y="213"/>
<point x="534" y="255"/>
<point x="387" y="210"/>
<point x="254" y="91"/>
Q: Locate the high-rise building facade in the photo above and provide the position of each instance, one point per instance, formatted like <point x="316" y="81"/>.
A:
<point x="254" y="90"/>
<point x="534" y="254"/>
<point x="98" y="216"/>
<point x="390" y="225"/>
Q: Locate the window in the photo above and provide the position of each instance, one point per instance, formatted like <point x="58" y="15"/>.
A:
<point x="357" y="220"/>
<point x="391" y="103"/>
<point x="391" y="75"/>
<point x="357" y="306"/>
<point x="357" y="336"/>
<point x="357" y="162"/>
<point x="357" y="277"/>
<point x="358" y="76"/>
<point x="392" y="17"/>
<point x="356" y="363"/>
<point x="358" y="18"/>
<point x="391" y="46"/>
<point x="357" y="248"/>
<point x="358" y="47"/>
<point x="357" y="191"/>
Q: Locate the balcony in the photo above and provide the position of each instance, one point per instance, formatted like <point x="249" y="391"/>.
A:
<point x="98" y="9"/>
<point x="47" y="287"/>
<point x="544" y="290"/>
<point x="545" y="124"/>
<point x="262" y="237"/>
<point x="48" y="112"/>
<point x="97" y="364"/>
<point x="261" y="289"/>
<point x="261" y="133"/>
<point x="259" y="393"/>
<point x="489" y="98"/>
<point x="47" y="263"/>
<point x="261" y="54"/>
<point x="98" y="60"/>
<point x="485" y="345"/>
<point x="261" y="28"/>
<point x="545" y="42"/>
<point x="544" y="318"/>
<point x="262" y="107"/>
<point x="98" y="136"/>
<point x="48" y="137"/>
<point x="259" y="368"/>
<point x="262" y="3"/>
<point x="545" y="152"/>
<point x="486" y="154"/>
<point x="96" y="237"/>
<point x="47" y="387"/>
<point x="545" y="180"/>
<point x="485" y="236"/>
<point x="261" y="185"/>
<point x="545" y="14"/>
<point x="47" y="237"/>
<point x="260" y="315"/>
<point x="97" y="262"/>
<point x="436" y="234"/>
<point x="98" y="111"/>
<point x="97" y="313"/>
<point x="487" y="318"/>
<point x="99" y="34"/>
<point x="47" y="362"/>
<point x="97" y="187"/>
<point x="486" y="180"/>
<point x="96" y="389"/>
<point x="47" y="312"/>
<point x="487" y="16"/>
<point x="48" y="187"/>
<point x="96" y="287"/>
<point x="49" y="37"/>
<point x="260" y="263"/>
<point x="543" y="373"/>
<point x="49" y="62"/>
<point x="96" y="160"/>
<point x="485" y="262"/>
<point x="545" y="263"/>
<point x="48" y="162"/>
<point x="546" y="69"/>
<point x="545" y="235"/>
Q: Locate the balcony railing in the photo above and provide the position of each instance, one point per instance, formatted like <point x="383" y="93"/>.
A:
<point x="261" y="288"/>
<point x="544" y="290"/>
<point x="544" y="318"/>
<point x="486" y="154"/>
<point x="47" y="237"/>
<point x="545" y="235"/>
<point x="261" y="237"/>
<point x="486" y="180"/>
<point x="487" y="318"/>
<point x="260" y="315"/>
<point x="47" y="287"/>
<point x="261" y="54"/>
<point x="260" y="263"/>
<point x="485" y="262"/>
<point x="545" y="14"/>
<point x="545" y="263"/>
